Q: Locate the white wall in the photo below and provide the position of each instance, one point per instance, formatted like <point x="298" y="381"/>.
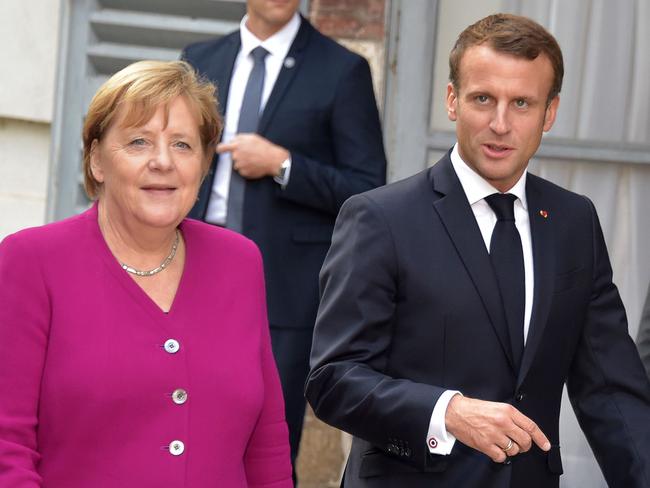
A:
<point x="29" y="40"/>
<point x="29" y="36"/>
<point x="24" y="148"/>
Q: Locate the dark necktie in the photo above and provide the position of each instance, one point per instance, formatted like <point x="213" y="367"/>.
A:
<point x="507" y="259"/>
<point x="249" y="117"/>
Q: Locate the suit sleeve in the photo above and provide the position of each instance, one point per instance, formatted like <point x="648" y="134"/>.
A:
<point x="607" y="385"/>
<point x="643" y="338"/>
<point x="267" y="460"/>
<point x="24" y="324"/>
<point x="350" y="385"/>
<point x="358" y="150"/>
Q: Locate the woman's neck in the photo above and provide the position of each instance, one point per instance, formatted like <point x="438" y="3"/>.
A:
<point x="138" y="245"/>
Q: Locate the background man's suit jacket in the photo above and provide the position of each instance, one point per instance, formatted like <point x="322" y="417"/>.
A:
<point x="411" y="307"/>
<point x="643" y="338"/>
<point x="322" y="109"/>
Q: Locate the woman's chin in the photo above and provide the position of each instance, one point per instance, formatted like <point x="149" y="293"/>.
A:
<point x="161" y="218"/>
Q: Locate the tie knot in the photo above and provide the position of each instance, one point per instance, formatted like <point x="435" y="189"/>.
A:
<point x="259" y="53"/>
<point x="503" y="205"/>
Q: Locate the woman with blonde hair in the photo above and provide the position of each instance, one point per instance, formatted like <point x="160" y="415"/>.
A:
<point x="134" y="344"/>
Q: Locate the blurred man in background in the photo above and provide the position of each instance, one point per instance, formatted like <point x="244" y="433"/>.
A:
<point x="302" y="134"/>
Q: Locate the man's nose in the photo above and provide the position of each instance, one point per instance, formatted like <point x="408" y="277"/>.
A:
<point x="500" y="123"/>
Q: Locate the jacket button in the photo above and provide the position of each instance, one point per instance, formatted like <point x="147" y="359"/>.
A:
<point x="520" y="396"/>
<point x="172" y="346"/>
<point x="179" y="396"/>
<point x="176" y="448"/>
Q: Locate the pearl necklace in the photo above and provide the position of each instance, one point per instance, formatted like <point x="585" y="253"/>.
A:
<point x="163" y="265"/>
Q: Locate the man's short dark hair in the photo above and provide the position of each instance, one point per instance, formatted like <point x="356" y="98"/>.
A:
<point x="509" y="34"/>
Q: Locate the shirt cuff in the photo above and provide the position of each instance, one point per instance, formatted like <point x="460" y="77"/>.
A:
<point x="283" y="179"/>
<point x="439" y="441"/>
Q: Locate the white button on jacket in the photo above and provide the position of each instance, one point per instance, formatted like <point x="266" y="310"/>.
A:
<point x="172" y="346"/>
<point x="179" y="396"/>
<point x="176" y="448"/>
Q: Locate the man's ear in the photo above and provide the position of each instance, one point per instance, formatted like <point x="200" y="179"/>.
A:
<point x="452" y="102"/>
<point x="551" y="113"/>
<point x="95" y="163"/>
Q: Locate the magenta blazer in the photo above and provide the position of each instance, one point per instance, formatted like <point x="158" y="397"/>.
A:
<point x="102" y="389"/>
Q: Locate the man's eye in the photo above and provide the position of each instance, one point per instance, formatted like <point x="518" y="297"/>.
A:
<point x="521" y="103"/>
<point x="482" y="98"/>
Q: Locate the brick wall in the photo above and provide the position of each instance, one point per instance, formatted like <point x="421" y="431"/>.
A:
<point x="360" y="26"/>
<point x="350" y="19"/>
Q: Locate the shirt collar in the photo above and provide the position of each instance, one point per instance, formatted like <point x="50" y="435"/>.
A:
<point x="476" y="188"/>
<point x="277" y="45"/>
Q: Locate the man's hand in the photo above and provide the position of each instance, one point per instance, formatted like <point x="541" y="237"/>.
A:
<point x="253" y="156"/>
<point x="490" y="426"/>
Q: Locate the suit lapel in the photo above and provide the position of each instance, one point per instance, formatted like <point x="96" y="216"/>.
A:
<point x="541" y="230"/>
<point x="459" y="221"/>
<point x="220" y="69"/>
<point x="287" y="73"/>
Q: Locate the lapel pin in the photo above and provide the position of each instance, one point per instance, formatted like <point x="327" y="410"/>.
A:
<point x="289" y="62"/>
<point x="543" y="213"/>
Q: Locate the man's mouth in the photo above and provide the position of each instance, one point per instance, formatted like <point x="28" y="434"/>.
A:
<point x="498" y="147"/>
<point x="496" y="150"/>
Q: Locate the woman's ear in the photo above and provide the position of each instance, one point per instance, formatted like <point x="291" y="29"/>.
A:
<point x="95" y="162"/>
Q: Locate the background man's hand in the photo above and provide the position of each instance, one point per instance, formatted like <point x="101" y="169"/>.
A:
<point x="253" y="156"/>
<point x="489" y="426"/>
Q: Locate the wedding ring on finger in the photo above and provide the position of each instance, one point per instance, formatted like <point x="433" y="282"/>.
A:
<point x="509" y="446"/>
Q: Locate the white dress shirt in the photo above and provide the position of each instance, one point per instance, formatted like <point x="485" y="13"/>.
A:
<point x="278" y="46"/>
<point x="476" y="189"/>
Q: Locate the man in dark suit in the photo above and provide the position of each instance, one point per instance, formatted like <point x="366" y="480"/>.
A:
<point x="457" y="303"/>
<point x="312" y="140"/>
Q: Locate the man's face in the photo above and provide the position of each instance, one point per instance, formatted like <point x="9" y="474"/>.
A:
<point x="273" y="14"/>
<point x="501" y="111"/>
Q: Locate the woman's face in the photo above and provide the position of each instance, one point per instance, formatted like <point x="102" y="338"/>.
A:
<point x="151" y="173"/>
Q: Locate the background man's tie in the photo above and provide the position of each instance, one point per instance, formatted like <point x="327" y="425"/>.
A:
<point x="507" y="258"/>
<point x="249" y="117"/>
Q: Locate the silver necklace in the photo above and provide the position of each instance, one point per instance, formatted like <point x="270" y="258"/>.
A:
<point x="163" y="265"/>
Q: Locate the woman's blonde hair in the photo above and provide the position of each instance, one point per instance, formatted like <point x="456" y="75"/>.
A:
<point x="142" y="88"/>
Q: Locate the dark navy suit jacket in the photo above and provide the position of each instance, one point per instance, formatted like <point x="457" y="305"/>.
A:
<point x="323" y="110"/>
<point x="411" y="307"/>
<point x="643" y="339"/>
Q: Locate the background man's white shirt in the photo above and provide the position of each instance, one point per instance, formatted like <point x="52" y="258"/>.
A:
<point x="278" y="46"/>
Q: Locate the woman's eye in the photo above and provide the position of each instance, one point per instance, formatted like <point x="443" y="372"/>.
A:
<point x="137" y="142"/>
<point x="183" y="145"/>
